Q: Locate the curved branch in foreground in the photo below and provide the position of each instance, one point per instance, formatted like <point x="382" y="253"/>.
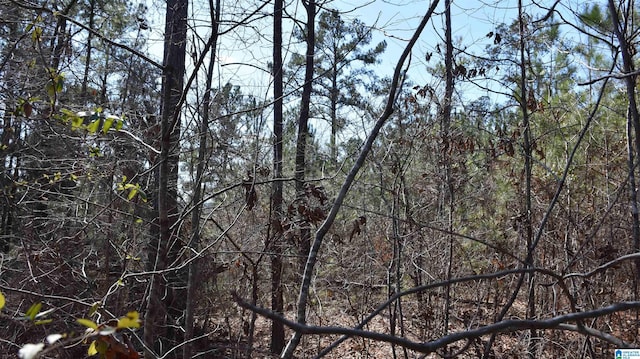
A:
<point x="505" y="326"/>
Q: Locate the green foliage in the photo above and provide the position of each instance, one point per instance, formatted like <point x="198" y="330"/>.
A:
<point x="92" y="122"/>
<point x="35" y="28"/>
<point x="107" y="339"/>
<point x="344" y="68"/>
<point x="33" y="310"/>
<point x="594" y="17"/>
<point x="133" y="190"/>
<point x="55" y="84"/>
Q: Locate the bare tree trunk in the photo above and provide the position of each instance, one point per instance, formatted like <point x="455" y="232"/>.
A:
<point x="394" y="271"/>
<point x="192" y="280"/>
<point x="301" y="146"/>
<point x="277" y="302"/>
<point x="162" y="300"/>
<point x="633" y="116"/>
<point x="9" y="141"/>
<point x="104" y="80"/>
<point x="60" y="39"/>
<point x="333" y="95"/>
<point x="303" y="128"/>
<point x="633" y="121"/>
<point x="447" y="196"/>
<point x="525" y="94"/>
<point x="87" y="63"/>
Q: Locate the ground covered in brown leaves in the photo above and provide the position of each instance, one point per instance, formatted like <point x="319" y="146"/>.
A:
<point x="230" y="340"/>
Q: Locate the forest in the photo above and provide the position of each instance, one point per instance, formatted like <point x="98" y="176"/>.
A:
<point x="319" y="178"/>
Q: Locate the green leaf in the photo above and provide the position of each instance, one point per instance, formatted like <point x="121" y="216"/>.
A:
<point x="51" y="91"/>
<point x="76" y="122"/>
<point x="132" y="320"/>
<point x="36" y="34"/>
<point x="2" y="300"/>
<point x="132" y="193"/>
<point x="102" y="347"/>
<point x="93" y="126"/>
<point x="43" y="321"/>
<point x="94" y="152"/>
<point x="142" y="195"/>
<point x="67" y="115"/>
<point x="54" y="85"/>
<point x="59" y="83"/>
<point x="108" y="122"/>
<point x="87" y="323"/>
<point x="92" y="349"/>
<point x="94" y="308"/>
<point x="33" y="310"/>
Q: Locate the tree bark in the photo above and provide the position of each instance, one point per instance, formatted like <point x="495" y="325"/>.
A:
<point x="87" y="63"/>
<point x="164" y="302"/>
<point x="277" y="301"/>
<point x="303" y="128"/>
<point x="633" y="117"/>
<point x="447" y="198"/>
<point x="301" y="145"/>
<point x="528" y="210"/>
<point x="60" y="40"/>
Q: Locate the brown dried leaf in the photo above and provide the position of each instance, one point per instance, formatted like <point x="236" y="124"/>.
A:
<point x="27" y="108"/>
<point x="355" y="229"/>
<point x="251" y="196"/>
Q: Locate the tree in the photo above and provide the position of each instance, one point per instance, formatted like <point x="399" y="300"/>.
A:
<point x="277" y="212"/>
<point x="633" y="116"/>
<point x="342" y="67"/>
<point x="192" y="280"/>
<point x="165" y="302"/>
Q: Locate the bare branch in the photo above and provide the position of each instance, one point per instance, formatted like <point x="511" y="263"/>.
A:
<point x="605" y="266"/>
<point x="505" y="326"/>
<point x="109" y="41"/>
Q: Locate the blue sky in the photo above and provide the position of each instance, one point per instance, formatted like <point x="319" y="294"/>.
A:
<point x="244" y="55"/>
<point x="393" y="21"/>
